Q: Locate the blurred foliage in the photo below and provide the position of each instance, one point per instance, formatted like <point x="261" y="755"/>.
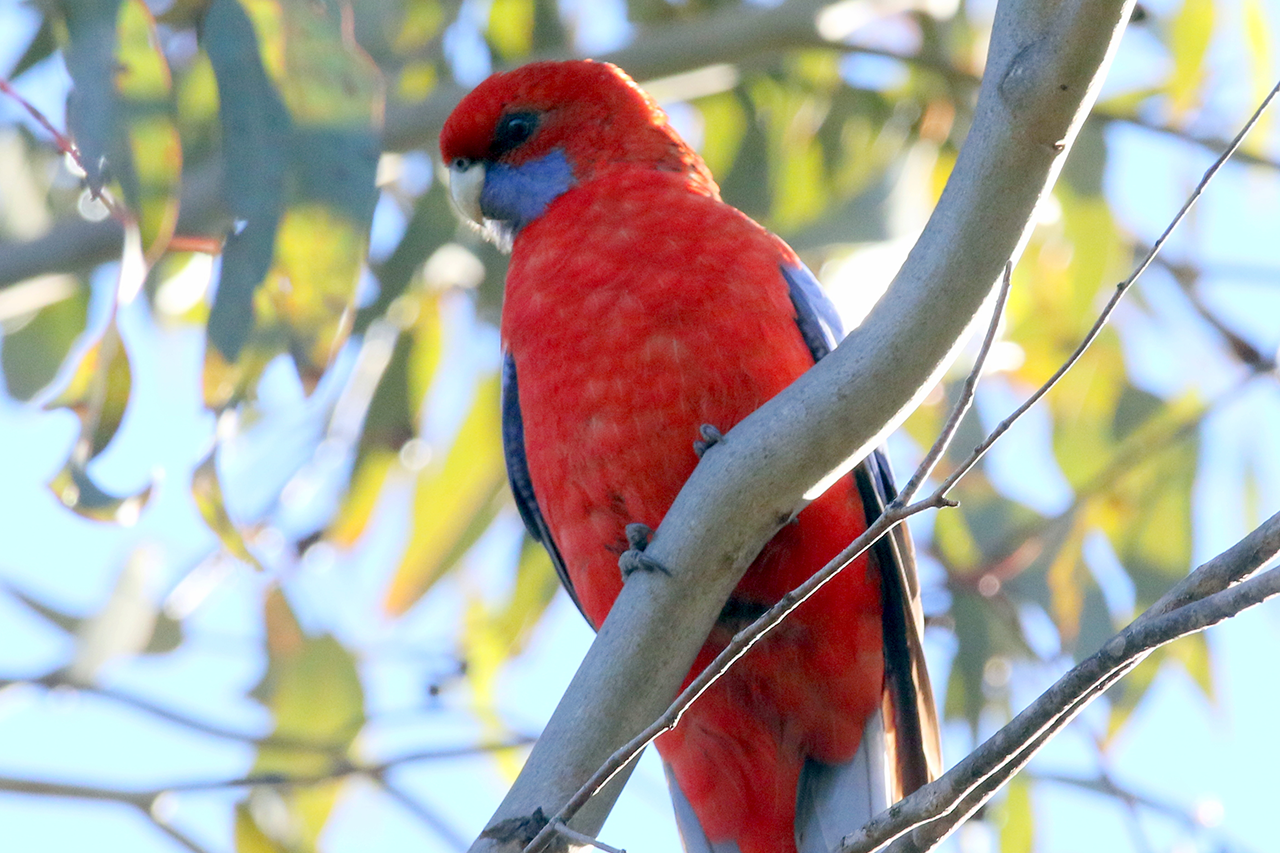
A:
<point x="276" y="109"/>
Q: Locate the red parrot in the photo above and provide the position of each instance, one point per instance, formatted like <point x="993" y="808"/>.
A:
<point x="639" y="307"/>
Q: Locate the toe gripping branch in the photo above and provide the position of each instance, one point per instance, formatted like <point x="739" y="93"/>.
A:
<point x="711" y="436"/>
<point x="635" y="559"/>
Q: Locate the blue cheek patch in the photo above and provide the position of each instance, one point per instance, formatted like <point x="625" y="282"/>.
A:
<point x="517" y="195"/>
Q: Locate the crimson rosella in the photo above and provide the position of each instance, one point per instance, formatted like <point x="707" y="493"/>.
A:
<point x="639" y="307"/>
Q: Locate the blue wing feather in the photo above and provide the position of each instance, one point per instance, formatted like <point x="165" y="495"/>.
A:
<point x="518" y="473"/>
<point x="905" y="678"/>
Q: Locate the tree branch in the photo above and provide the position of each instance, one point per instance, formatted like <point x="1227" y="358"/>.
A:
<point x="931" y="813"/>
<point x="742" y="642"/>
<point x="1043" y="72"/>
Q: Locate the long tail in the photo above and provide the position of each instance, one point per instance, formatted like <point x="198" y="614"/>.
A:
<point x="900" y="748"/>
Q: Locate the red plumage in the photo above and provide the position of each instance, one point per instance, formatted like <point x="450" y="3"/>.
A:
<point x="639" y="307"/>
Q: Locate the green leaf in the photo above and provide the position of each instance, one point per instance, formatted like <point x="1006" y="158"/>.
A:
<point x="42" y="45"/>
<point x="91" y="105"/>
<point x="391" y="420"/>
<point x="32" y="352"/>
<point x="964" y="698"/>
<point x="300" y="112"/>
<point x="313" y="691"/>
<point x="1068" y="579"/>
<point x="97" y="391"/>
<point x="149" y="164"/>
<point x="725" y="121"/>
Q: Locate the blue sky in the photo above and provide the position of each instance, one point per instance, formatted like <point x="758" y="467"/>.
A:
<point x="1221" y="757"/>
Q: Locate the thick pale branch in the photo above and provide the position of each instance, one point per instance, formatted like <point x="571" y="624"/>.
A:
<point x="1043" y="71"/>
<point x="753" y="633"/>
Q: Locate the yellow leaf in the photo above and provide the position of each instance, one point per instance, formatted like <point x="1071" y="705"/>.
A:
<point x="313" y="691"/>
<point x="207" y="492"/>
<point x="1017" y="818"/>
<point x="1258" y="36"/>
<point x="454" y="501"/>
<point x="1189" y="37"/>
<point x="511" y="27"/>
<point x="362" y="497"/>
<point x="1067" y="577"/>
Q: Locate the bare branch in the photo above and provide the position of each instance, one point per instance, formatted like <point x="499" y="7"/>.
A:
<point x="938" y="808"/>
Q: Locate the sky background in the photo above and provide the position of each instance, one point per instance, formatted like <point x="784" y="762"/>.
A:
<point x="1219" y="758"/>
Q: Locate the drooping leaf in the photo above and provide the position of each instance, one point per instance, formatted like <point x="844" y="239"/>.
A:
<point x="92" y="115"/>
<point x="32" y="352"/>
<point x="390" y="421"/>
<point x="964" y="699"/>
<point x="207" y="491"/>
<point x="455" y="499"/>
<point x="493" y="635"/>
<point x="255" y="131"/>
<point x="96" y="388"/>
<point x="300" y="110"/>
<point x="120" y="112"/>
<point x="314" y="694"/>
<point x="43" y="43"/>
<point x="151" y="173"/>
<point x="1068" y="580"/>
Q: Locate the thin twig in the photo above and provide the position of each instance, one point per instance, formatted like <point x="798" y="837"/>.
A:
<point x="143" y="798"/>
<point x="176" y="834"/>
<point x="742" y="642"/>
<point x="581" y="839"/>
<point x="68" y="147"/>
<point x="1109" y="308"/>
<point x="931" y="459"/>
<point x="421" y="812"/>
<point x="1019" y="751"/>
<point x="931" y="813"/>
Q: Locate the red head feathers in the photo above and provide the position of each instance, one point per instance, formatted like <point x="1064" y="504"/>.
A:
<point x="589" y="116"/>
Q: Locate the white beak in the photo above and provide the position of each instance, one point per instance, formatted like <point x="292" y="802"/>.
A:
<point x="466" y="181"/>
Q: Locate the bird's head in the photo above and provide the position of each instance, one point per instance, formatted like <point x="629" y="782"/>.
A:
<point x="523" y="138"/>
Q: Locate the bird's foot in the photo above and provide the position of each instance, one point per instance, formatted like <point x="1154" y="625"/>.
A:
<point x="710" y="438"/>
<point x="635" y="559"/>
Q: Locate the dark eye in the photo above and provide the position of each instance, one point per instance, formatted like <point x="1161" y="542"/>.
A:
<point x="513" y="130"/>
